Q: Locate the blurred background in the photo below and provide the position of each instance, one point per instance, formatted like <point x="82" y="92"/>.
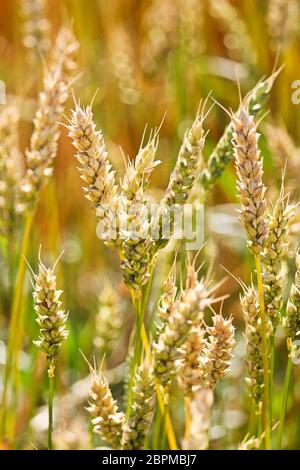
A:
<point x="146" y="58"/>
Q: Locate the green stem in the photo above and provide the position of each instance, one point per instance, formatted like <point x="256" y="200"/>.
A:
<point x="266" y="407"/>
<point x="272" y="367"/>
<point x="14" y="321"/>
<point x="157" y="429"/>
<point x="137" y="352"/>
<point x="287" y="379"/>
<point x="51" y="373"/>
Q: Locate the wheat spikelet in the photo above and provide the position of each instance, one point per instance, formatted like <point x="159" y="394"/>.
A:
<point x="292" y="323"/>
<point x="217" y="352"/>
<point x="276" y="246"/>
<point x="223" y="152"/>
<point x="249" y="169"/>
<point x="106" y="419"/>
<point x="167" y="299"/>
<point x="254" y="359"/>
<point x="51" y="318"/>
<point x="142" y="408"/>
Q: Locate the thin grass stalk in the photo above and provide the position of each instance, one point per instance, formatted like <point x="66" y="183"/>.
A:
<point x="266" y="408"/>
<point x="51" y="376"/>
<point x="13" y="331"/>
<point x="285" y="392"/>
<point x="187" y="420"/>
<point x="137" y="354"/>
<point x="272" y="369"/>
<point x="156" y="429"/>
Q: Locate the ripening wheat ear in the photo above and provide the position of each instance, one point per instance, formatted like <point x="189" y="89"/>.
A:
<point x="136" y="247"/>
<point x="51" y="319"/>
<point x="250" y="187"/>
<point x="36" y="28"/>
<point x="94" y="167"/>
<point x="106" y="419"/>
<point x="223" y="152"/>
<point x="143" y="404"/>
<point x="217" y="352"/>
<point x="292" y="321"/>
<point x="44" y="139"/>
<point x="276" y="246"/>
<point x="183" y="177"/>
<point x="109" y="320"/>
<point x="10" y="169"/>
<point x="185" y="313"/>
<point x="254" y="358"/>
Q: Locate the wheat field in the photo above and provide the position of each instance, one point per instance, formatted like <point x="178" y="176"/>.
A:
<point x="149" y="225"/>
